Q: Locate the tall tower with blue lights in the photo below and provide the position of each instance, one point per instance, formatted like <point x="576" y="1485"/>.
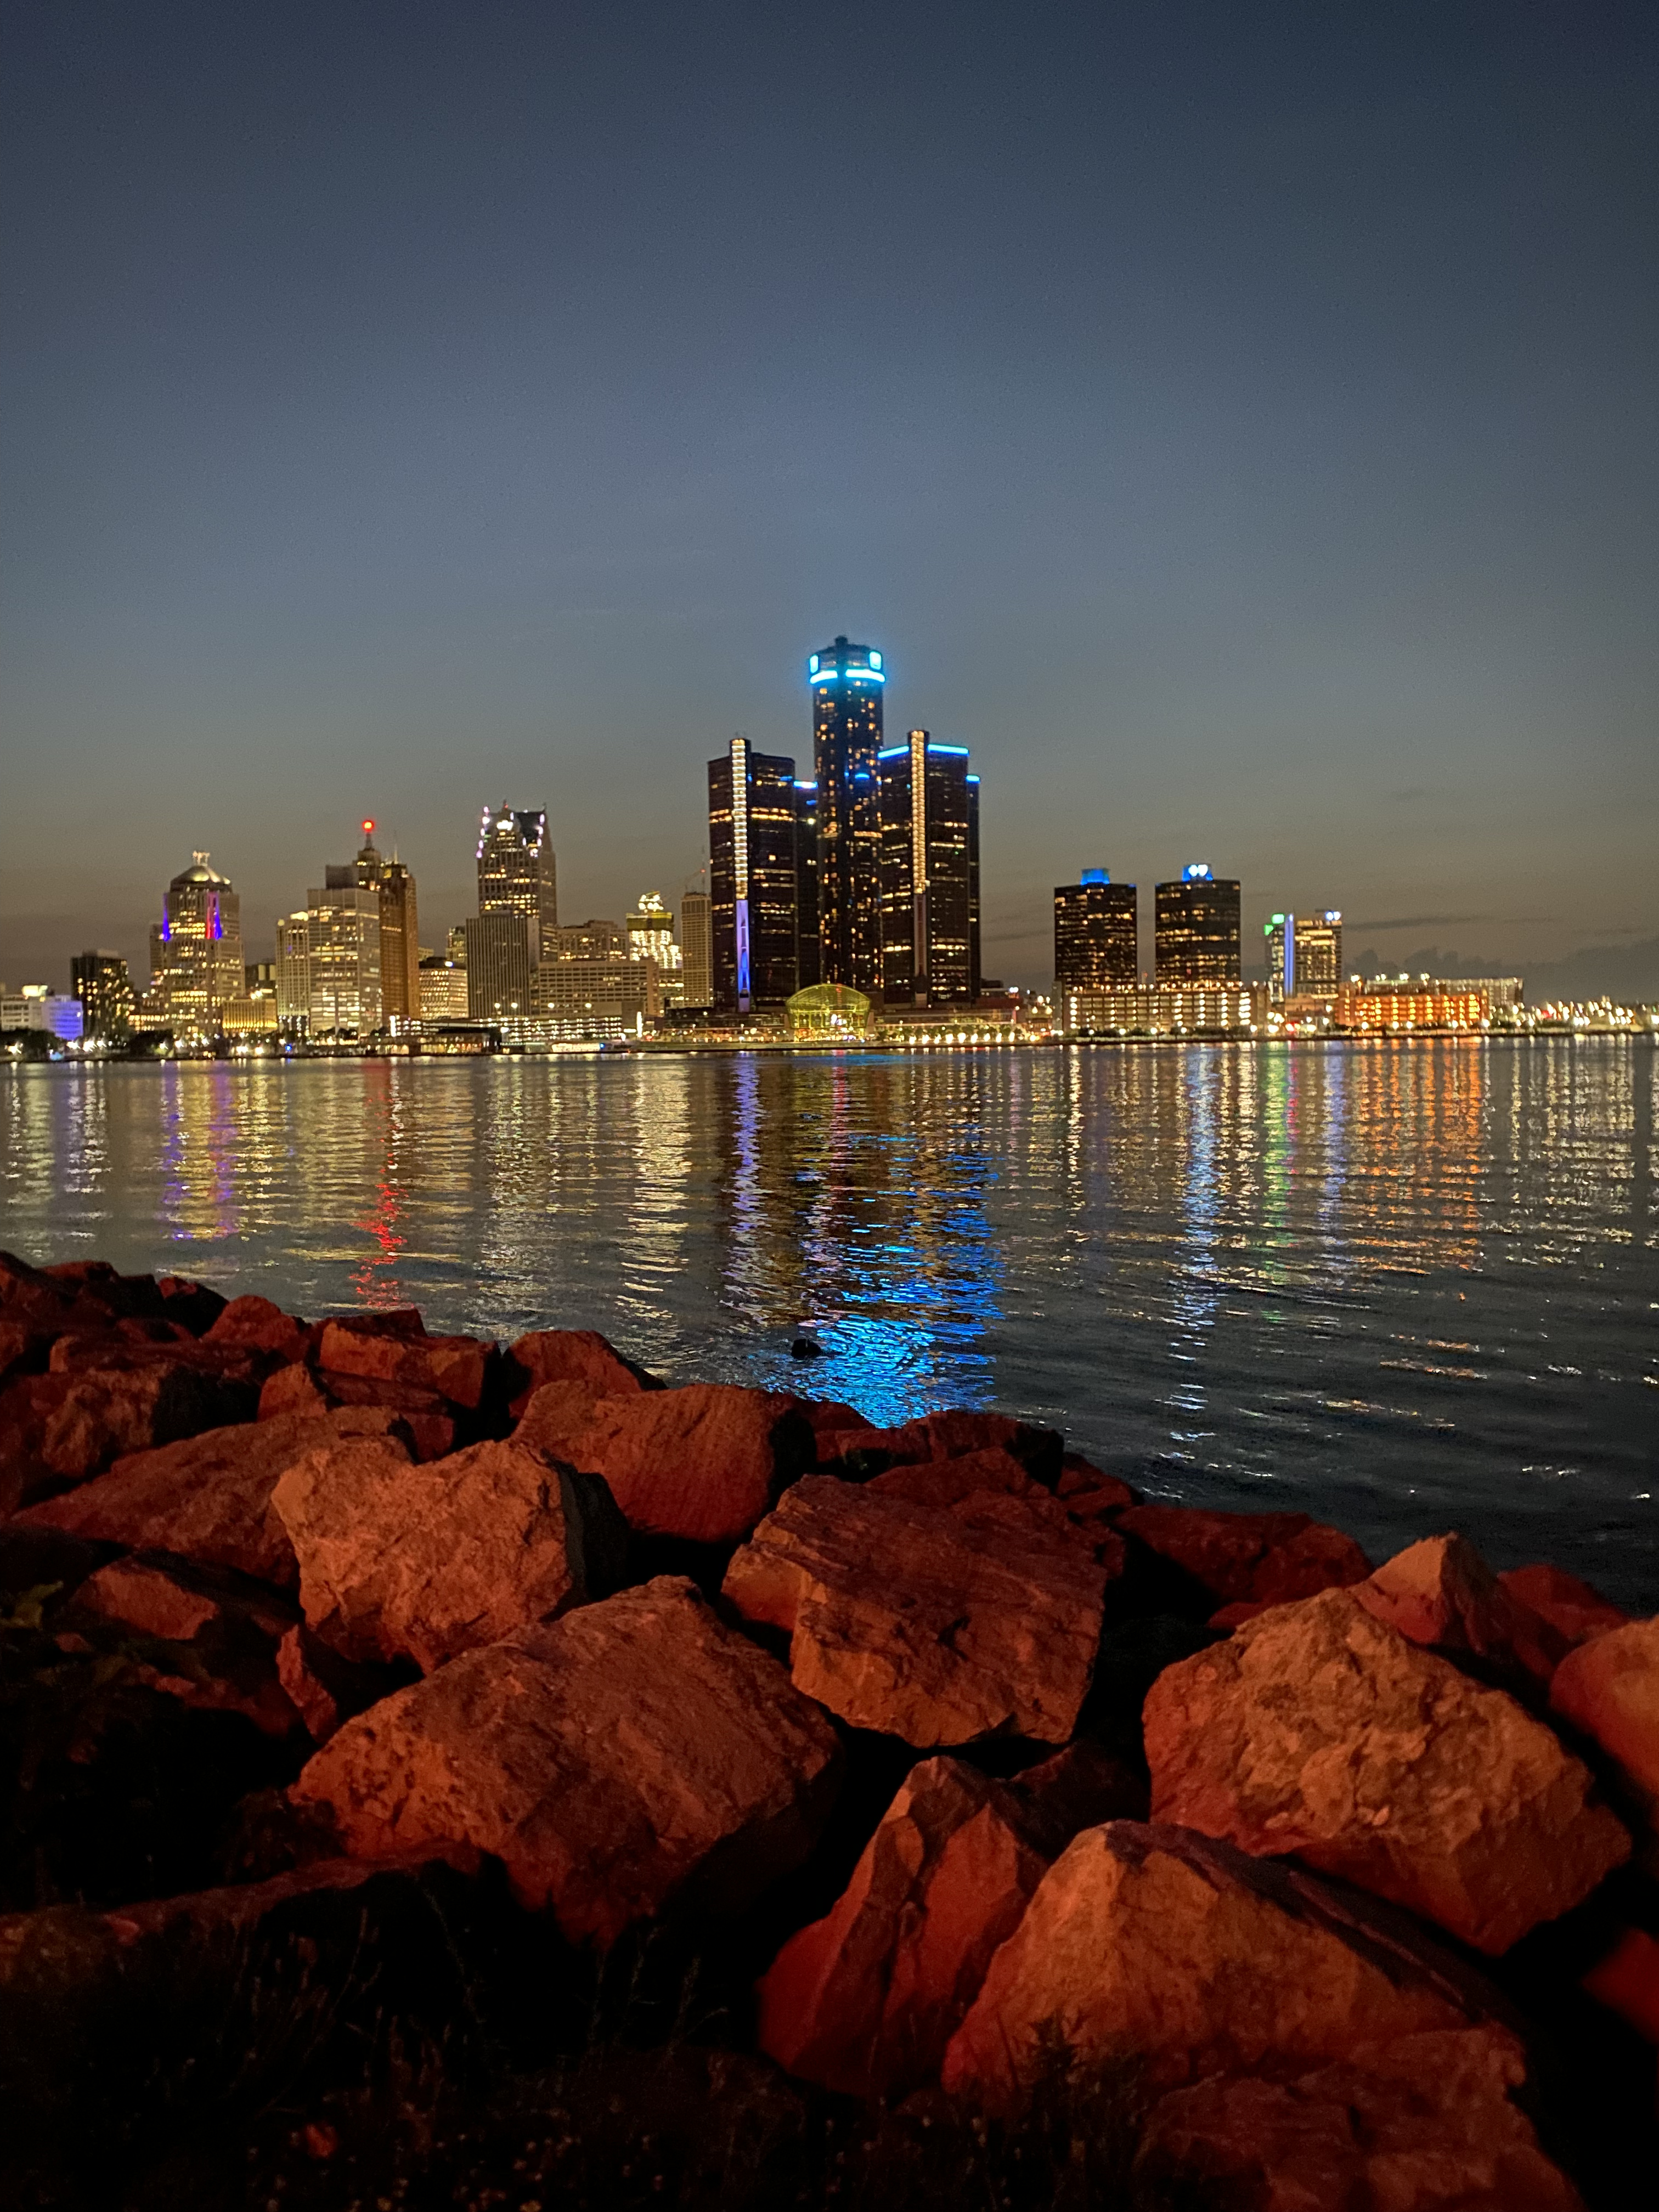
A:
<point x="845" y="682"/>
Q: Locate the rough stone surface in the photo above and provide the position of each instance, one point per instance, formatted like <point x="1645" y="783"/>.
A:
<point x="204" y="1637"/>
<point x="1441" y="1594"/>
<point x="456" y="1367"/>
<point x="207" y="1498"/>
<point x="571" y="1355"/>
<point x="1609" y="1688"/>
<point x="255" y="1324"/>
<point x="325" y="1690"/>
<point x="1424" y="2124"/>
<point x="1155" y="1943"/>
<point x="428" y="1419"/>
<point x="1249" y="1559"/>
<point x="865" y="2000"/>
<point x="59" y="1428"/>
<point x="937" y="1625"/>
<point x="1081" y="1477"/>
<point x="631" y="1752"/>
<point x="1573" y="1609"/>
<point x="704" y="1462"/>
<point x="423" y="1562"/>
<point x="1320" y="1731"/>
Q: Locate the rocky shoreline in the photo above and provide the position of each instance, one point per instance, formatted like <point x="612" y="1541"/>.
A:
<point x="376" y="1704"/>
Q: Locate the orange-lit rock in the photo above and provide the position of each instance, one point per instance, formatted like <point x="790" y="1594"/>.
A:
<point x="254" y="1324"/>
<point x="1442" y="1594"/>
<point x="1247" y="1558"/>
<point x="1318" y="1730"/>
<point x="1575" y="1610"/>
<point x="59" y="1428"/>
<point x="1609" y="1688"/>
<point x="428" y="1420"/>
<point x="570" y="1355"/>
<point x="456" y="1367"/>
<point x="633" y="1752"/>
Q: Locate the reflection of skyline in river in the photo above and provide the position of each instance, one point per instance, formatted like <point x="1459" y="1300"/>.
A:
<point x="1264" y="1276"/>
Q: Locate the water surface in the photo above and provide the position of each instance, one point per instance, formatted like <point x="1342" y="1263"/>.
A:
<point x="1403" y="1286"/>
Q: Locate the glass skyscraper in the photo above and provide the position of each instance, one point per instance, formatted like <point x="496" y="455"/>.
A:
<point x="1197" y="929"/>
<point x="516" y="870"/>
<point x="752" y="879"/>
<point x="928" y="871"/>
<point x="846" y="683"/>
<point x="1096" y="927"/>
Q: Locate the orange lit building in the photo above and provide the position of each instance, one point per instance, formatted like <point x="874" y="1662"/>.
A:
<point x="1388" y="1005"/>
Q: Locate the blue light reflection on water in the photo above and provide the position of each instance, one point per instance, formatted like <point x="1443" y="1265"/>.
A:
<point x="1407" y="1287"/>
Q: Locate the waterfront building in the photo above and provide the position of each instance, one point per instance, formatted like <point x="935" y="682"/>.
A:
<point x="845" y="682"/>
<point x="517" y="874"/>
<point x="1391" y="1004"/>
<point x="808" y="961"/>
<point x="829" y="1011"/>
<point x="975" y="965"/>
<point x="752" y="877"/>
<point x="1196" y="928"/>
<point x="38" y="1008"/>
<point x="1097" y="943"/>
<point x="927" y="889"/>
<point x="501" y="966"/>
<point x="602" y="999"/>
<point x="400" y="945"/>
<point x="343" y="949"/>
<point x="651" y="937"/>
<point x="443" y="990"/>
<point x="293" y="965"/>
<point x="101" y="984"/>
<point x="1305" y="954"/>
<point x="1503" y="993"/>
<point x="1165" y="1009"/>
<point x="697" y="944"/>
<point x="195" y="951"/>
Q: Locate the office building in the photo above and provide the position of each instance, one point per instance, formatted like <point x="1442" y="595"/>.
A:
<point x="973" y="962"/>
<point x="1097" y="943"/>
<point x="443" y="990"/>
<point x="697" y="945"/>
<point x="455" y="944"/>
<point x="586" y="940"/>
<point x="651" y="937"/>
<point x="195" y="953"/>
<point x="101" y="981"/>
<point x="501" y="966"/>
<point x="1305" y="954"/>
<point x="1196" y="928"/>
<point x="516" y="870"/>
<point x="343" y="949"/>
<point x="845" y="682"/>
<point x="38" y="1008"/>
<point x="602" y="999"/>
<point x="400" y="943"/>
<point x="807" y="956"/>
<point x="927" y="888"/>
<point x="1165" y="1009"/>
<point x="752" y="877"/>
<point x="1393" y="1004"/>
<point x="293" y="965"/>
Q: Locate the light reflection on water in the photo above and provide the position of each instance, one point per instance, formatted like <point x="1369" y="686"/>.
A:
<point x="1404" y="1286"/>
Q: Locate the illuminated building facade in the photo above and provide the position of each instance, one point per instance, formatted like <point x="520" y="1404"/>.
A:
<point x="517" y="874"/>
<point x="600" y="998"/>
<point x="1096" y="945"/>
<point x="846" y="683"/>
<point x="593" y="939"/>
<point x="400" y="933"/>
<point x="927" y="875"/>
<point x="1196" y="928"/>
<point x="697" y="944"/>
<point x="1305" y="954"/>
<point x="502" y="969"/>
<point x="752" y="877"/>
<point x="342" y="948"/>
<point x="1394" y="1004"/>
<point x="806" y="881"/>
<point x="101" y="981"/>
<point x="42" y="1010"/>
<point x="651" y="937"/>
<point x="1165" y="1009"/>
<point x="443" y="990"/>
<point x="294" y="972"/>
<point x="195" y="951"/>
<point x="974" y="961"/>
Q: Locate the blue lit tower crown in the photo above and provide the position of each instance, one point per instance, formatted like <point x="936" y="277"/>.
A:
<point x="846" y="683"/>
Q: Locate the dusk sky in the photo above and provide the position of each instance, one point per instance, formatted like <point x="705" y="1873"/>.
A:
<point x="1237" y="424"/>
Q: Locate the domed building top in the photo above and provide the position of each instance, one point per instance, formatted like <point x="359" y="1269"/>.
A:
<point x="198" y="873"/>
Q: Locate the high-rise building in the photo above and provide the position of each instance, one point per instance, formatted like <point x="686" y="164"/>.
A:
<point x="294" y="973"/>
<point x="195" y="951"/>
<point x="651" y="937"/>
<point x="974" y="962"/>
<point x="38" y="1009"/>
<point x="400" y="932"/>
<point x="101" y="981"/>
<point x="927" y="886"/>
<point x="443" y="990"/>
<point x="516" y="870"/>
<point x="808" y="959"/>
<point x="1196" y="927"/>
<point x="1095" y="934"/>
<point x="502" y="964"/>
<point x="752" y="877"/>
<point x="600" y="998"/>
<point x="1305" y="954"/>
<point x="846" y="683"/>
<point x="697" y="944"/>
<point x="342" y="948"/>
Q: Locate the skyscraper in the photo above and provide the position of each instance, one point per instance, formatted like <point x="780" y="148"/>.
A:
<point x="294" y="973"/>
<point x="516" y="870"/>
<point x="1305" y="954"/>
<point x="1196" y="928"/>
<point x="400" y="932"/>
<point x="101" y="981"/>
<point x="501" y="966"/>
<point x="195" y="951"/>
<point x="976" y="963"/>
<point x="806" y="881"/>
<point x="343" y="946"/>
<point x="1096" y="927"/>
<point x="697" y="942"/>
<point x="926" y="887"/>
<point x="651" y="937"/>
<point x="846" y="683"/>
<point x="752" y="877"/>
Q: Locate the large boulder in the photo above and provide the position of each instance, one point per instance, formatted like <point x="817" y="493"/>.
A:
<point x="1318" y="1730"/>
<point x="456" y="1367"/>
<point x="1609" y="1688"/>
<point x="631" y="1753"/>
<point x="1575" y="1609"/>
<point x="254" y="1324"/>
<point x="865" y="2000"/>
<point x="1424" y="2124"/>
<point x="422" y="1562"/>
<point x="199" y="1634"/>
<point x="428" y="1420"/>
<point x="1244" y="1561"/>
<point x="63" y="1428"/>
<point x="938" y="1624"/>
<point x="1441" y="1594"/>
<point x="570" y="1355"/>
<point x="1158" y="1945"/>
<point x="704" y="1462"/>
<point x="859" y="1450"/>
<point x="208" y="1497"/>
